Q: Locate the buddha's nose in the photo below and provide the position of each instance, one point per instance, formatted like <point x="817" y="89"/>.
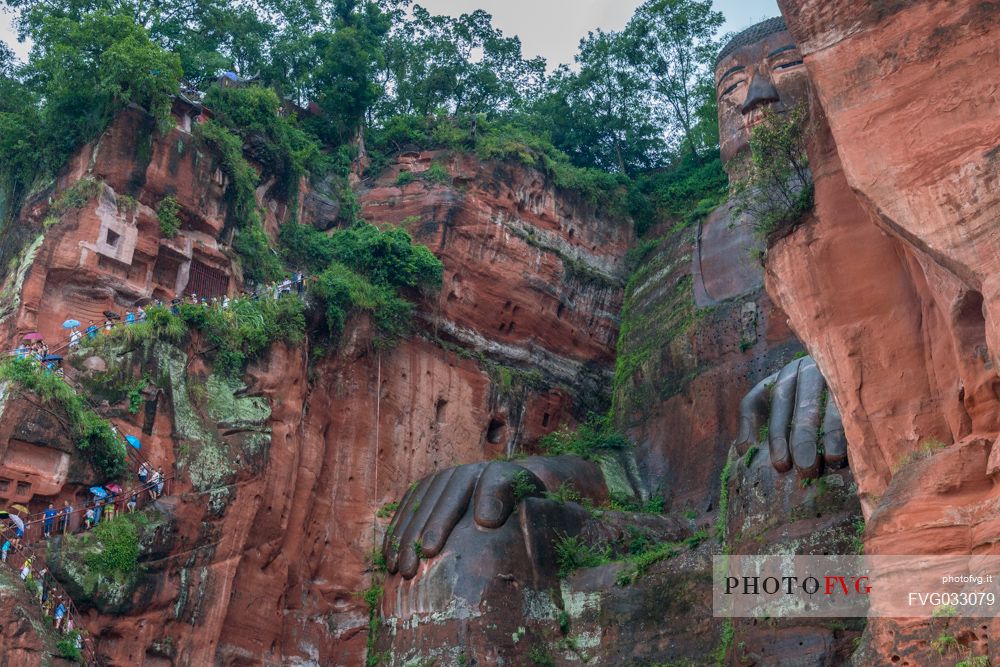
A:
<point x="761" y="91"/>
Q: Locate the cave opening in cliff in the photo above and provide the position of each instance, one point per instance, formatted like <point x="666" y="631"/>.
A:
<point x="494" y="432"/>
<point x="971" y="323"/>
<point x="165" y="269"/>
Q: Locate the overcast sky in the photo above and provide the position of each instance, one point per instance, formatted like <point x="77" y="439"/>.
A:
<point x="549" y="28"/>
<point x="553" y="28"/>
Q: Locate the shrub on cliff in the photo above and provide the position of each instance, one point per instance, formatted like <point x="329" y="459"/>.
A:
<point x="166" y="214"/>
<point x="67" y="648"/>
<point x="341" y="291"/>
<point x="250" y="242"/>
<point x="685" y="192"/>
<point x="777" y="189"/>
<point x="240" y="334"/>
<point x="233" y="336"/>
<point x="101" y="566"/>
<point x="94" y="436"/>
<point x="305" y="247"/>
<point x="159" y="325"/>
<point x="386" y="256"/>
<point x="363" y="268"/>
<point x="119" y="552"/>
<point x="575" y="553"/>
<point x="258" y="261"/>
<point x="284" y="150"/>
<point x="587" y="440"/>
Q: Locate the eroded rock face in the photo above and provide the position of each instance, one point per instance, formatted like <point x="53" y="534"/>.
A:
<point x="926" y="67"/>
<point x="529" y="273"/>
<point x="272" y="517"/>
<point x="24" y="636"/>
<point x="496" y="596"/>
<point x="890" y="283"/>
<point x="923" y="214"/>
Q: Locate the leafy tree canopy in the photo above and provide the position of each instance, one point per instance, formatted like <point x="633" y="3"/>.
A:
<point x="634" y="100"/>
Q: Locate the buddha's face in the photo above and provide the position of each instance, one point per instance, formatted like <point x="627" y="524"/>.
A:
<point x="766" y="74"/>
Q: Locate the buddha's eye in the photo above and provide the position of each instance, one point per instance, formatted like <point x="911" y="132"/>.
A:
<point x="730" y="89"/>
<point x="789" y="65"/>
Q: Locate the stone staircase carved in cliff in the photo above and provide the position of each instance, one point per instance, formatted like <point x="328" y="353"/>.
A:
<point x="33" y="545"/>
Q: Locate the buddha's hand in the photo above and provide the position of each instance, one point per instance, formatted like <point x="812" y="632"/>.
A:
<point x="433" y="506"/>
<point x="799" y="414"/>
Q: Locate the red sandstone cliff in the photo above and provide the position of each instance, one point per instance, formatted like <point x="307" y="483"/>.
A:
<point x="268" y="548"/>
<point x="891" y="282"/>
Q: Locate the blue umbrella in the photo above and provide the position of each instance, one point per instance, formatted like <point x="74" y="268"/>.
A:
<point x="71" y="324"/>
<point x="134" y="441"/>
<point x="99" y="492"/>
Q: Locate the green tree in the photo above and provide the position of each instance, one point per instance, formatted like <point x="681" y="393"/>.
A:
<point x="344" y="81"/>
<point x="276" y="141"/>
<point x="88" y="67"/>
<point x="458" y="65"/>
<point x="676" y="43"/>
<point x="602" y="115"/>
<point x="208" y="35"/>
<point x="19" y="124"/>
<point x="84" y="66"/>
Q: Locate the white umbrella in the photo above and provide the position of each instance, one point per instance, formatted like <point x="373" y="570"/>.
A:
<point x="16" y="519"/>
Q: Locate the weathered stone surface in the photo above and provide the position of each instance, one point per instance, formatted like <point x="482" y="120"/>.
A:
<point x="890" y="285"/>
<point x="26" y="640"/>
<point x="496" y="596"/>
<point x="273" y="513"/>
<point x="530" y="274"/>
<point x="901" y="314"/>
<point x="726" y="257"/>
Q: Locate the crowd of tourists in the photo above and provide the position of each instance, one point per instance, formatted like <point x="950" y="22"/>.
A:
<point x="53" y="600"/>
<point x="33" y="345"/>
<point x="18" y="557"/>
<point x="19" y="529"/>
<point x="107" y="502"/>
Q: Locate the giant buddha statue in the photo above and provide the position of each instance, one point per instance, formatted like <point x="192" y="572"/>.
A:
<point x="759" y="69"/>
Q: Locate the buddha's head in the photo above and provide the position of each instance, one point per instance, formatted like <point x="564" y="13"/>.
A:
<point x="759" y="68"/>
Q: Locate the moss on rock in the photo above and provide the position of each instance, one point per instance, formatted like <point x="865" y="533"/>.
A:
<point x="212" y="461"/>
<point x="10" y="293"/>
<point x="101" y="567"/>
